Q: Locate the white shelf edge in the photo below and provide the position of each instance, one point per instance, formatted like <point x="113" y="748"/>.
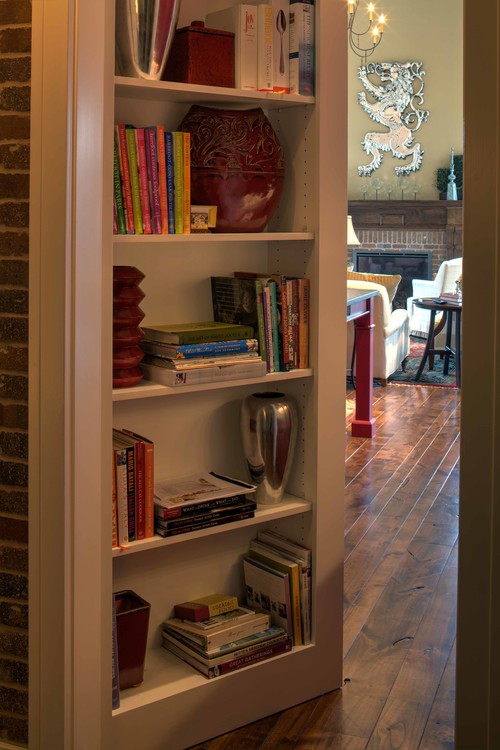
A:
<point x="289" y="506"/>
<point x="169" y="676"/>
<point x="187" y="92"/>
<point x="154" y="239"/>
<point x="148" y="389"/>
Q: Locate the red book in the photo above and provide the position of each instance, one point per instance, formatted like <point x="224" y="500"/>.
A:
<point x="143" y="179"/>
<point x="125" y="178"/>
<point x="154" y="185"/>
<point x="146" y="451"/>
<point x="162" y="177"/>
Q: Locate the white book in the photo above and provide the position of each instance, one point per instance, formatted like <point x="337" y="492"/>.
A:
<point x="242" y="21"/>
<point x="268" y="590"/>
<point x="264" y="47"/>
<point x="254" y="369"/>
<point x="281" y="46"/>
<point x="301" y="53"/>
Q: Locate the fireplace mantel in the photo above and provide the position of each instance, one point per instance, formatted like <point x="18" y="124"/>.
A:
<point x="388" y="217"/>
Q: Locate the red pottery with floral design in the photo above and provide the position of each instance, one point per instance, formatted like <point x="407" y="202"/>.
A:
<point x="237" y="164"/>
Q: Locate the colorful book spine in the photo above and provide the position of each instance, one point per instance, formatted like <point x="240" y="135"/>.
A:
<point x="165" y="513"/>
<point x="118" y="195"/>
<point x="303" y="294"/>
<point x="125" y="178"/>
<point x="115" y="221"/>
<point x="178" y="181"/>
<point x="131" y="504"/>
<point x="264" y="47"/>
<point x="274" y="325"/>
<point x="162" y="177"/>
<point x="153" y="182"/>
<point x="134" y="178"/>
<point x="140" y="490"/>
<point x="201" y="525"/>
<point x="120" y="456"/>
<point x="260" y="319"/>
<point x="143" y="180"/>
<point x="114" y="507"/>
<point x="295" y="322"/>
<point x="186" y="182"/>
<point x="212" y="515"/>
<point x="169" y="160"/>
<point x="302" y="47"/>
<point x="281" y="47"/>
<point x="242" y="21"/>
<point x="268" y="327"/>
<point x="289" y="319"/>
<point x="149" y="508"/>
<point x="285" y="331"/>
<point x="186" y="351"/>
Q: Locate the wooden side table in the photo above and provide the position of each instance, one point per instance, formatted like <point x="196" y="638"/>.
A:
<point x="451" y="311"/>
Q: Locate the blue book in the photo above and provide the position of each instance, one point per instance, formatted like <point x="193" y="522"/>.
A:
<point x="169" y="158"/>
<point x="188" y="351"/>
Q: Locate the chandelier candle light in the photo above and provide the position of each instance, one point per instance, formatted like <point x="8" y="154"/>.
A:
<point x="364" y="42"/>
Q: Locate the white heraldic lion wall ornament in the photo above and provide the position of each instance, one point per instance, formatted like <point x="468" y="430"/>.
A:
<point x="396" y="107"/>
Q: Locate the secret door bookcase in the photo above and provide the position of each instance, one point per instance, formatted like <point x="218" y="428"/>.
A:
<point x="73" y="406"/>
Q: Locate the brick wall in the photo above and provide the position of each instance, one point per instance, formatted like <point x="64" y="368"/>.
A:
<point x="436" y="242"/>
<point x="15" y="62"/>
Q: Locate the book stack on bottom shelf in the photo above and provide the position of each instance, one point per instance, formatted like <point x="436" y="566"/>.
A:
<point x="201" y="501"/>
<point x="204" y="352"/>
<point x="224" y="642"/>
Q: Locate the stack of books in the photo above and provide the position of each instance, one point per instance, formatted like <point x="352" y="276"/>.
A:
<point x="133" y="480"/>
<point x="204" y="352"/>
<point x="278" y="580"/>
<point x="201" y="501"/>
<point x="224" y="642"/>
<point x="151" y="180"/>
<point x="277" y="308"/>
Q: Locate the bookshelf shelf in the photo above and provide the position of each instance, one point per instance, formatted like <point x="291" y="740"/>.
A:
<point x="146" y="389"/>
<point x="289" y="506"/>
<point x="192" y="93"/>
<point x="131" y="239"/>
<point x="166" y="676"/>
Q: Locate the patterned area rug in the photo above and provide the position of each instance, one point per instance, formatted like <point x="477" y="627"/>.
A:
<point x="429" y="377"/>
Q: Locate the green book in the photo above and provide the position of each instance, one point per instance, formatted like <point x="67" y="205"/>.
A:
<point x="194" y="333"/>
<point x="134" y="178"/>
<point x="117" y="186"/>
<point x="178" y="139"/>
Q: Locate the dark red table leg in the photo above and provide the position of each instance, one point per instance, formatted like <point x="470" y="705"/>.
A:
<point x="364" y="424"/>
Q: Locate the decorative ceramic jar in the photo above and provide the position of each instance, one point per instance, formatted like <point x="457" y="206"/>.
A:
<point x="237" y="164"/>
<point x="126" y="331"/>
<point x="144" y="33"/>
<point x="269" y="431"/>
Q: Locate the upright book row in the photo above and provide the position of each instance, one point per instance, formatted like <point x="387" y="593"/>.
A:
<point x="151" y="180"/>
<point x="133" y="488"/>
<point x="274" y="44"/>
<point x="276" y="306"/>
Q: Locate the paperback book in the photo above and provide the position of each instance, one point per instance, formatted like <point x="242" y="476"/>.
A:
<point x="213" y="515"/>
<point x="214" y="374"/>
<point x="199" y="332"/>
<point x="199" y="488"/>
<point x="251" y="622"/>
<point x="198" y="525"/>
<point x="207" y="349"/>
<point x="206" y="607"/>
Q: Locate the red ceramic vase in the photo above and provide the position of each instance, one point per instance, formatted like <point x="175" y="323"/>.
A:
<point x="237" y="164"/>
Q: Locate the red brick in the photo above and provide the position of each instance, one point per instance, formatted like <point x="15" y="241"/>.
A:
<point x="15" y="40"/>
<point x="13" y="186"/>
<point x="14" y="643"/>
<point x="13" y="586"/>
<point x="15" y="214"/>
<point x="14" y="475"/>
<point x="14" y="729"/>
<point x="14" y="330"/>
<point x="14" y="559"/>
<point x="15" y="98"/>
<point x="14" y="358"/>
<point x="15" y="156"/>
<point x="14" y="701"/>
<point x="14" y="301"/>
<point x="14" y="387"/>
<point x="14" y="671"/>
<point x="14" y="444"/>
<point x="14" y="416"/>
<point x="14" y="243"/>
<point x="14" y="614"/>
<point x="14" y="127"/>
<point x="12" y="501"/>
<point x="15" y="69"/>
<point x="15" y="12"/>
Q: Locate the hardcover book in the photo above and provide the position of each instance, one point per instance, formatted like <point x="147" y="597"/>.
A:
<point x="198" y="488"/>
<point x="199" y="332"/>
<point x="264" y="47"/>
<point x="165" y="512"/>
<point x="206" y="607"/>
<point x="234" y="300"/>
<point x="201" y="525"/>
<point x="281" y="47"/>
<point x="196" y="363"/>
<point x="190" y="351"/>
<point x="268" y="590"/>
<point x="219" y="634"/>
<point x="301" y="54"/>
<point x="231" y="650"/>
<point x="255" y="368"/>
<point x="242" y="21"/>
<point x="230" y="512"/>
<point x="134" y="178"/>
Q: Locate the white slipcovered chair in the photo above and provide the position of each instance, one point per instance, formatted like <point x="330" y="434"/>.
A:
<point x="444" y="281"/>
<point x="391" y="337"/>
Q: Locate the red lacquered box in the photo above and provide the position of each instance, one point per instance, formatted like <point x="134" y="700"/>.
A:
<point x="200" y="55"/>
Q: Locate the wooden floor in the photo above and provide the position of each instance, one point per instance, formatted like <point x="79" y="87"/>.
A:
<point x="401" y="513"/>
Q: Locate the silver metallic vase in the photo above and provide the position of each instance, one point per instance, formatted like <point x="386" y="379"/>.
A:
<point x="269" y="433"/>
<point x="144" y="33"/>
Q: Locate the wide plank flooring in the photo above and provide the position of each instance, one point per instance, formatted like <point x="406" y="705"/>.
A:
<point x="401" y="535"/>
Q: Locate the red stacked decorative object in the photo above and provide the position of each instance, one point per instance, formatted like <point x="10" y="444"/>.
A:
<point x="127" y="333"/>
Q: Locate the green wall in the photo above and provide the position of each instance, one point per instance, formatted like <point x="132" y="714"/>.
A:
<point x="430" y="32"/>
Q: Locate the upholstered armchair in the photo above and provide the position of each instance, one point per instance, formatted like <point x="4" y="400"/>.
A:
<point x="391" y="336"/>
<point x="444" y="281"/>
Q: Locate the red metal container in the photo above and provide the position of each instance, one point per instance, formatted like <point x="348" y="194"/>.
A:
<point x="200" y="55"/>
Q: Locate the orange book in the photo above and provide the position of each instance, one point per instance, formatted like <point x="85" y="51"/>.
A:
<point x="114" y="526"/>
<point x="303" y="338"/>
<point x="148" y="481"/>
<point x="186" y="173"/>
<point x="162" y="177"/>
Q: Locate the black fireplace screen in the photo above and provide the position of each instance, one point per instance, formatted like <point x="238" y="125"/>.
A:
<point x="408" y="265"/>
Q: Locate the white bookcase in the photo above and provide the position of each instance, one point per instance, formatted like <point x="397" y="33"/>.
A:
<point x="73" y="406"/>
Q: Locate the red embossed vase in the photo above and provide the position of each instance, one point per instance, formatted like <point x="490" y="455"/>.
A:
<point x="237" y="164"/>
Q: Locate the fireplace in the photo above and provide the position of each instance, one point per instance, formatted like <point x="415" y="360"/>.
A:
<point x="413" y="265"/>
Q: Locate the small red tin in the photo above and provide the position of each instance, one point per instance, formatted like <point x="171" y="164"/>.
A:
<point x="200" y="55"/>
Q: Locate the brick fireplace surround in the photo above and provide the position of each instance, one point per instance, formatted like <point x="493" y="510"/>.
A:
<point x="409" y="226"/>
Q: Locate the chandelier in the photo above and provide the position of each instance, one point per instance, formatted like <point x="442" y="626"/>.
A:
<point x="364" y="42"/>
